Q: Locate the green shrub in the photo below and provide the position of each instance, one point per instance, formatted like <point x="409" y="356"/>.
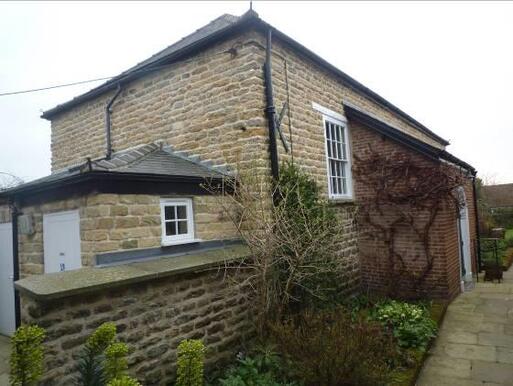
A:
<point x="90" y="368"/>
<point x="328" y="348"/>
<point x="410" y="324"/>
<point x="102" y="338"/>
<point x="191" y="356"/>
<point x="27" y="356"/>
<point x="103" y="360"/>
<point x="124" y="381"/>
<point x="263" y="368"/>
<point x="115" y="365"/>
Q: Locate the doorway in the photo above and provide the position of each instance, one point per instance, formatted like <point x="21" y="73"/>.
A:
<point x="464" y="238"/>
<point x="61" y="239"/>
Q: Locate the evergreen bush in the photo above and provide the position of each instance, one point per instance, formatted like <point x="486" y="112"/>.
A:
<point x="27" y="355"/>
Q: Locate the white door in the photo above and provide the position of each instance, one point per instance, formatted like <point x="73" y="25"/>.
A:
<point x="61" y="238"/>
<point x="7" y="318"/>
<point x="464" y="238"/>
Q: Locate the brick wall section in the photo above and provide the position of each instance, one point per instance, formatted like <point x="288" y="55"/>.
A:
<point x="205" y="105"/>
<point x="116" y="222"/>
<point x="444" y="280"/>
<point x="151" y="318"/>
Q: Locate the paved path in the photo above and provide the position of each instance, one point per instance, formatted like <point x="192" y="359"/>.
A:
<point x="4" y="360"/>
<point x="475" y="342"/>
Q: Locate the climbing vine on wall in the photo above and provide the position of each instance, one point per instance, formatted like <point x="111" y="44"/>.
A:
<point x="402" y="194"/>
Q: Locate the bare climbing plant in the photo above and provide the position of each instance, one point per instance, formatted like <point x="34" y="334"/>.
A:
<point x="403" y="195"/>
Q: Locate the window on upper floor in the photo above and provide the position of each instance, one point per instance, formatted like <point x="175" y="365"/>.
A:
<point x="177" y="220"/>
<point x="338" y="158"/>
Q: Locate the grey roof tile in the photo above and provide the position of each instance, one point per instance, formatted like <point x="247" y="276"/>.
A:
<point x="146" y="159"/>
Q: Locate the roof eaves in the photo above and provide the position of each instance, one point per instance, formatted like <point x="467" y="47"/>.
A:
<point x="405" y="139"/>
<point x="246" y="19"/>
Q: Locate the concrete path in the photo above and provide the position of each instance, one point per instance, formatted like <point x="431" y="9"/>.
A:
<point x="5" y="350"/>
<point x="475" y="342"/>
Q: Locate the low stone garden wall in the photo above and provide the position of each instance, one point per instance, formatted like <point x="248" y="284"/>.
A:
<point x="152" y="315"/>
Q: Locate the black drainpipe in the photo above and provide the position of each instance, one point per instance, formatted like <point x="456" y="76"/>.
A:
<point x="108" y="111"/>
<point x="16" y="262"/>
<point x="270" y="109"/>
<point x="476" y="211"/>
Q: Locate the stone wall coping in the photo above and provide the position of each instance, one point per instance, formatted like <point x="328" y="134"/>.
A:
<point x="58" y="285"/>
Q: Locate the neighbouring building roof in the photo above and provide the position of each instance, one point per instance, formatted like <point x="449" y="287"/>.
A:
<point x="219" y="29"/>
<point x="151" y="161"/>
<point x="498" y="196"/>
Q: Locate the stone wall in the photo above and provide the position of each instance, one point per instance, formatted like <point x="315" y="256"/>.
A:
<point x="152" y="318"/>
<point x="116" y="222"/>
<point x="207" y="105"/>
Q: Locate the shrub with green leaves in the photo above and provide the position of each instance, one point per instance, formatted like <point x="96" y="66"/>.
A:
<point x="264" y="367"/>
<point x="124" y="380"/>
<point x="116" y="364"/>
<point x="90" y="364"/>
<point x="191" y="357"/>
<point x="103" y="360"/>
<point x="102" y="337"/>
<point x="410" y="324"/>
<point x="27" y="355"/>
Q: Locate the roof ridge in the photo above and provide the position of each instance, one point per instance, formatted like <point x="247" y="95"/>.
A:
<point x="223" y="16"/>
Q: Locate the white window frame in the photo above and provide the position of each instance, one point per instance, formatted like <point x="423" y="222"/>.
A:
<point x="335" y="118"/>
<point x="177" y="239"/>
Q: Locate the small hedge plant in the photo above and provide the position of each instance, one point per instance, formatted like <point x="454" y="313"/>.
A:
<point x="410" y="324"/>
<point x="191" y="357"/>
<point x="104" y="361"/>
<point x="27" y="356"/>
<point x="263" y="367"/>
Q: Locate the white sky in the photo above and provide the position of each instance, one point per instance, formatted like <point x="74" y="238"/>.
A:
<point x="449" y="65"/>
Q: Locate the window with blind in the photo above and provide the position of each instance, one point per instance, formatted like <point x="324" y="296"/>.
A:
<point x="177" y="220"/>
<point x="338" y="159"/>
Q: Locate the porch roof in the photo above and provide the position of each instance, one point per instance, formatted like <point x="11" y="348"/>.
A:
<point x="150" y="162"/>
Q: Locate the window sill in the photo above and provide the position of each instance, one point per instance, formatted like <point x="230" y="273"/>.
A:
<point x="341" y="200"/>
<point x="179" y="242"/>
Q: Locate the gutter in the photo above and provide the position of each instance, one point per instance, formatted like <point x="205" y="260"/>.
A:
<point x="270" y="109"/>
<point x="108" y="112"/>
<point x="109" y="176"/>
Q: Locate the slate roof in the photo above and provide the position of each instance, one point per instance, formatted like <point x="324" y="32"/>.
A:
<point x="498" y="196"/>
<point x="222" y="28"/>
<point x="149" y="159"/>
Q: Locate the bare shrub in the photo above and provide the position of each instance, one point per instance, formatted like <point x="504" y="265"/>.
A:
<point x="294" y="237"/>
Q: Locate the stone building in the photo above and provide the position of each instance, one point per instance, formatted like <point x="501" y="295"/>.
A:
<point x="124" y="228"/>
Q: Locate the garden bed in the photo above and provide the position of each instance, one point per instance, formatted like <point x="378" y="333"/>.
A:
<point x="362" y="342"/>
<point x="408" y="377"/>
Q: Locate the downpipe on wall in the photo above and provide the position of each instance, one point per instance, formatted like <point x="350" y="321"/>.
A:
<point x="108" y="112"/>
<point x="270" y="109"/>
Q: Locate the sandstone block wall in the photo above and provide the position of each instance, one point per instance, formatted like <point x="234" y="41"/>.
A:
<point x="152" y="318"/>
<point x="117" y="222"/>
<point x="207" y="105"/>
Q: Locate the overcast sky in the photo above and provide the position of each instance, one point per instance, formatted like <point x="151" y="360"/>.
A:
<point x="449" y="65"/>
